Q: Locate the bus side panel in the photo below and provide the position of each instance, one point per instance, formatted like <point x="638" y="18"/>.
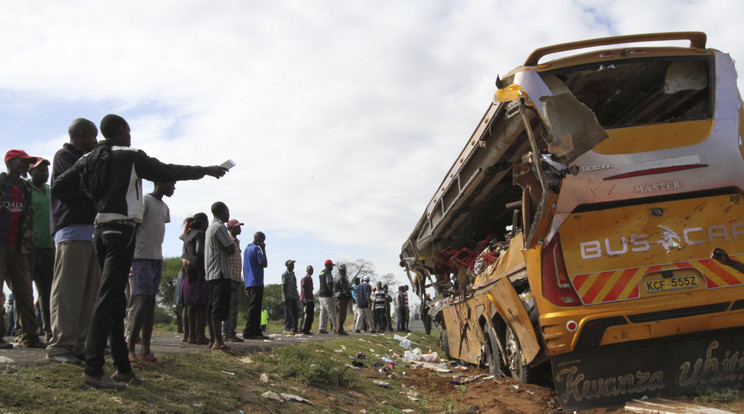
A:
<point x="617" y="373"/>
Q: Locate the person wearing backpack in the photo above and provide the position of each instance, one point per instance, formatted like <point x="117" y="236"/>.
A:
<point x="111" y="175"/>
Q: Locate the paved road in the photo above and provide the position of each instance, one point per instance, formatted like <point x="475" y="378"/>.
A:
<point x="170" y="343"/>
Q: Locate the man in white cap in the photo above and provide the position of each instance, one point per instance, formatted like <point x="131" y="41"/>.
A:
<point x="327" y="307"/>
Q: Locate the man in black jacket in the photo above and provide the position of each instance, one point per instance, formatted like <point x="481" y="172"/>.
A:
<point x="111" y="175"/>
<point x="325" y="293"/>
<point x="341" y="296"/>
<point x="76" y="274"/>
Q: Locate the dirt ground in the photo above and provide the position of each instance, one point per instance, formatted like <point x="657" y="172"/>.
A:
<point x="483" y="395"/>
<point x="502" y="395"/>
<point x="499" y="395"/>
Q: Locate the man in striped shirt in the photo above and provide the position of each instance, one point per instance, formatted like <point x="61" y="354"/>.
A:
<point x="218" y="246"/>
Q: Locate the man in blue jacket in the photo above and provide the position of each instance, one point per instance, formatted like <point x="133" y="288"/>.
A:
<point x="254" y="263"/>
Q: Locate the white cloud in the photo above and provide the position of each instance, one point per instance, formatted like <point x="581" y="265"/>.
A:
<point x="342" y="117"/>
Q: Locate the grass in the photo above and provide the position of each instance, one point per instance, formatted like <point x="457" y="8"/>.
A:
<point x="717" y="395"/>
<point x="195" y="383"/>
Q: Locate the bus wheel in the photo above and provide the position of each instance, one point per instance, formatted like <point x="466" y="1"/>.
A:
<point x="493" y="354"/>
<point x="444" y="342"/>
<point x="513" y="357"/>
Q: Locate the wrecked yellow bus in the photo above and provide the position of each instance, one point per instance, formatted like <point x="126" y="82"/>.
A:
<point x="575" y="230"/>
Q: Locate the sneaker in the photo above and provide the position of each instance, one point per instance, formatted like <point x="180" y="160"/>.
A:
<point x="307" y="333"/>
<point x="64" y="358"/>
<point x="103" y="381"/>
<point x="233" y="338"/>
<point x="5" y="345"/>
<point x="322" y="331"/>
<point x="343" y="333"/>
<point x="129" y="378"/>
<point x="287" y="333"/>
<point x="357" y="331"/>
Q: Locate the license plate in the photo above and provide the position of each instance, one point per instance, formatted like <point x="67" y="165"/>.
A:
<point x="671" y="283"/>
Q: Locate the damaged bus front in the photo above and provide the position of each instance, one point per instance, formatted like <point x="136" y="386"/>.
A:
<point x="576" y="228"/>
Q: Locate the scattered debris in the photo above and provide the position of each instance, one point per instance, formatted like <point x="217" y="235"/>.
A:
<point x="408" y="410"/>
<point x="664" y="406"/>
<point x="246" y="360"/>
<point x="272" y="396"/>
<point x="465" y="380"/>
<point x="413" y="395"/>
<point x="404" y="341"/>
<point x="264" y="377"/>
<point x="292" y="397"/>
<point x="6" y="360"/>
<point x="228" y="373"/>
<point x="381" y="384"/>
<point x="416" y="355"/>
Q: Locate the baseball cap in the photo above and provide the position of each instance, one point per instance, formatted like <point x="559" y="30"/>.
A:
<point x="233" y="223"/>
<point x="39" y="161"/>
<point x="288" y="262"/>
<point x="329" y="262"/>
<point x="18" y="154"/>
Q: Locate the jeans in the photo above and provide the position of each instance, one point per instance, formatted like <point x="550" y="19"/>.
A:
<point x="309" y="312"/>
<point x="229" y="326"/>
<point x="290" y="315"/>
<point x="255" y="300"/>
<point x="402" y="315"/>
<point x="41" y="262"/>
<point x="114" y="245"/>
<point x="341" y="308"/>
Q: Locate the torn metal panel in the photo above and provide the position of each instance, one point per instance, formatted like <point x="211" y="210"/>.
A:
<point x="510" y="307"/>
<point x="572" y="127"/>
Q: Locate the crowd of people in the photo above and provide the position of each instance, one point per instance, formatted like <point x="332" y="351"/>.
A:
<point x="337" y="297"/>
<point x="91" y="242"/>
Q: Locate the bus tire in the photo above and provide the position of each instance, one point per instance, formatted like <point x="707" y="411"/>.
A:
<point x="513" y="357"/>
<point x="493" y="353"/>
<point x="444" y="343"/>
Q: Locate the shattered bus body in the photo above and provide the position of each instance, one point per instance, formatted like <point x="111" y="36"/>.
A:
<point x="575" y="229"/>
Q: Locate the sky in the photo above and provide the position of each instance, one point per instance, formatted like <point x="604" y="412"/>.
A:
<point x="342" y="117"/>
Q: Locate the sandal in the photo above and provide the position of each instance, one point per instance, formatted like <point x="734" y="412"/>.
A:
<point x="134" y="361"/>
<point x="151" y="359"/>
<point x="224" y="348"/>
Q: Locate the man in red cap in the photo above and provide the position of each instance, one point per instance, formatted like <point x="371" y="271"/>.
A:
<point x="17" y="241"/>
<point x="327" y="307"/>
